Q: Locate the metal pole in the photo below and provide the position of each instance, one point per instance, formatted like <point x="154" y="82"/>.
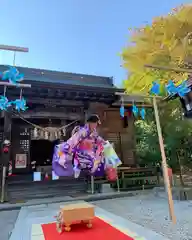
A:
<point x="19" y="85"/>
<point x="3" y="184"/>
<point x="118" y="187"/>
<point x="6" y="124"/>
<point x="14" y="58"/>
<point x="92" y="184"/>
<point x="13" y="48"/>
<point x="164" y="163"/>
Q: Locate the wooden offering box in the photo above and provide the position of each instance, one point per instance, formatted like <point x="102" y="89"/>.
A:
<point x="75" y="213"/>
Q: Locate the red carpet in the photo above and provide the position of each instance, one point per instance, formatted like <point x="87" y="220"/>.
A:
<point x="100" y="230"/>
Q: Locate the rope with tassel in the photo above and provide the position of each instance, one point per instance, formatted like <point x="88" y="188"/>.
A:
<point x="47" y="132"/>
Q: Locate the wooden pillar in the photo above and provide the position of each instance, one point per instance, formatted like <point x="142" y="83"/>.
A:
<point x="123" y="137"/>
<point x="128" y="143"/>
<point x="99" y="109"/>
<point x="86" y="111"/>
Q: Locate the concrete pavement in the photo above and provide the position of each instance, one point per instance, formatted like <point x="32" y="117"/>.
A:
<point x="7" y="222"/>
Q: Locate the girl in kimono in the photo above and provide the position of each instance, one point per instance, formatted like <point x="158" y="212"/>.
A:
<point x="85" y="148"/>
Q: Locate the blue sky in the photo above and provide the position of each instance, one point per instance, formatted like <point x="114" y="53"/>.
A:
<point x="83" y="36"/>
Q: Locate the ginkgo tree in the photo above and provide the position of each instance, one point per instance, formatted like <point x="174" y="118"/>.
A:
<point x="166" y="42"/>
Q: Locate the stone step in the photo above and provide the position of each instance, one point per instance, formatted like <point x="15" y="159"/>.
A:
<point x="25" y="190"/>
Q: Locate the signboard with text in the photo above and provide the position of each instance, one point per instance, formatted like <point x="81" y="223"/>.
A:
<point x="21" y="161"/>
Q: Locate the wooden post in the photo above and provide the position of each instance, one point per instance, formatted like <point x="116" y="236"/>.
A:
<point x="165" y="68"/>
<point x="164" y="163"/>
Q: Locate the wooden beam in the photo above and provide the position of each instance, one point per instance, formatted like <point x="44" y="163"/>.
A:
<point x="131" y="104"/>
<point x="44" y="114"/>
<point x="184" y="70"/>
<point x="71" y="87"/>
<point x="124" y="94"/>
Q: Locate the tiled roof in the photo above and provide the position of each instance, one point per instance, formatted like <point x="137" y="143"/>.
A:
<point x="49" y="76"/>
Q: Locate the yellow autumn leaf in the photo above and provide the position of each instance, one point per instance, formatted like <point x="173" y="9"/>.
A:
<point x="166" y="42"/>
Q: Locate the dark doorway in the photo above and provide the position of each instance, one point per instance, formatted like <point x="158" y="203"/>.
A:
<point x="41" y="152"/>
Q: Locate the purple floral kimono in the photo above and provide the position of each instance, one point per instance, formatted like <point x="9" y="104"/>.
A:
<point x="83" y="151"/>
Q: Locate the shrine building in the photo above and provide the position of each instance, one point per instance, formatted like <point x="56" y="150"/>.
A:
<point x="57" y="99"/>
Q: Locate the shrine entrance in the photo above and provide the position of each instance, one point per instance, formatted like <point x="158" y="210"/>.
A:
<point x="41" y="153"/>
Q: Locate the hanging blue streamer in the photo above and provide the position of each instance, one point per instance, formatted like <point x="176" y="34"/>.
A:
<point x="12" y="75"/>
<point x="155" y="89"/>
<point x="142" y="113"/>
<point x="122" y="111"/>
<point x="135" y="110"/>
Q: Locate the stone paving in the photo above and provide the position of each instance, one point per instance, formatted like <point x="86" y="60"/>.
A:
<point x="7" y="222"/>
<point x="86" y="197"/>
<point x="152" y="213"/>
<point x="142" y="215"/>
<point x="28" y="224"/>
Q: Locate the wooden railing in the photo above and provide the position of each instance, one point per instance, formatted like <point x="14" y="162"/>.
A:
<point x="137" y="177"/>
<point x="128" y="178"/>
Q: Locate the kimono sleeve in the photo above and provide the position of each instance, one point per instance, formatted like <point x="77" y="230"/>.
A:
<point x="100" y="145"/>
<point x="101" y="140"/>
<point x="77" y="138"/>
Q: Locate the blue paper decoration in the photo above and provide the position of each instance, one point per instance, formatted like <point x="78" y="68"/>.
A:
<point x="20" y="104"/>
<point x="171" y="88"/>
<point x="181" y="90"/>
<point x="135" y="110"/>
<point x="122" y="111"/>
<point x="142" y="113"/>
<point x="12" y="75"/>
<point x="4" y="103"/>
<point x="155" y="89"/>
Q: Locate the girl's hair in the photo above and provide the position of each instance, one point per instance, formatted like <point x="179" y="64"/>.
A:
<point x="75" y="130"/>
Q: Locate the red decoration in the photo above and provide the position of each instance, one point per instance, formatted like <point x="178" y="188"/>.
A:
<point x="100" y="230"/>
<point x="46" y="176"/>
<point x="129" y="113"/>
<point x="6" y="149"/>
<point x="111" y="174"/>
